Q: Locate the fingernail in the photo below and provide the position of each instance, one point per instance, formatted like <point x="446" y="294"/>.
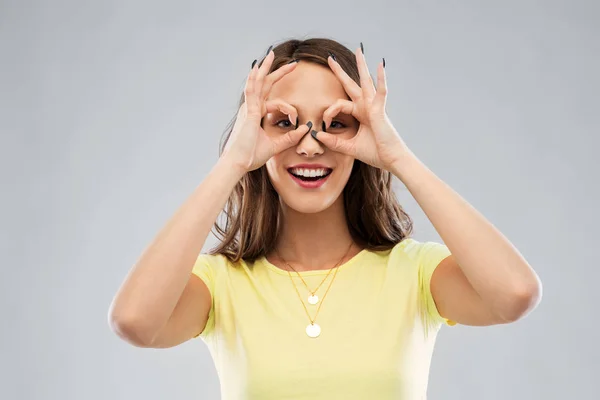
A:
<point x="293" y="61"/>
<point x="309" y="124"/>
<point x="268" y="51"/>
<point x="253" y="62"/>
<point x="324" y="127"/>
<point x="383" y="62"/>
<point x="362" y="48"/>
<point x="314" y="134"/>
<point x="296" y="122"/>
<point x="332" y="55"/>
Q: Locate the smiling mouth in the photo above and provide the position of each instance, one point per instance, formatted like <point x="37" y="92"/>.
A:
<point x="311" y="178"/>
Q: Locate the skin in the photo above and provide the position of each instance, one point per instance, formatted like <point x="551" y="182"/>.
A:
<point x="314" y="232"/>
<point x="484" y="281"/>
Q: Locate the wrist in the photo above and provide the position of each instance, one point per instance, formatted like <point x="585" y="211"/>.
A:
<point x="228" y="163"/>
<point x="405" y="162"/>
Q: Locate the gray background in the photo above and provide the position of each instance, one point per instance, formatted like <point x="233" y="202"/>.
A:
<point x="111" y="113"/>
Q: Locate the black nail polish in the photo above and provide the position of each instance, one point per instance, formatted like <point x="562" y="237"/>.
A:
<point x="253" y="62"/>
<point x="293" y="61"/>
<point x="314" y="134"/>
<point x="383" y="62"/>
<point x="268" y="51"/>
<point x="324" y="127"/>
<point x="309" y="124"/>
<point x="332" y="55"/>
<point x="296" y="122"/>
<point x="362" y="48"/>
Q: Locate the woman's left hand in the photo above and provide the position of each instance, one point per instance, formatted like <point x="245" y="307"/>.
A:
<point x="376" y="143"/>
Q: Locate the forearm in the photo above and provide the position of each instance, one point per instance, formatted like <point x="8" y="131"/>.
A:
<point x="493" y="266"/>
<point x="154" y="285"/>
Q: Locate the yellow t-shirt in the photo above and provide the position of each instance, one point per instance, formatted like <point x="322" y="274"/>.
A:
<point x="378" y="326"/>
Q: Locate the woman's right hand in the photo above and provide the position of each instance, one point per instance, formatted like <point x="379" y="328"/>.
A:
<point x="249" y="147"/>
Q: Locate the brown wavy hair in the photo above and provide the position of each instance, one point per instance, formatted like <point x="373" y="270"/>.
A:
<point x="375" y="218"/>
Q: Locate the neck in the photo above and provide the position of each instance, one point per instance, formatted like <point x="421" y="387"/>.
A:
<point x="314" y="241"/>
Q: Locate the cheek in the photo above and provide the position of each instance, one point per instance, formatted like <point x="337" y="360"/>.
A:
<point x="346" y="162"/>
<point x="348" y="165"/>
<point x="273" y="169"/>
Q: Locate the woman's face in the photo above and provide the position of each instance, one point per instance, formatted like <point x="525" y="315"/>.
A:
<point x="311" y="88"/>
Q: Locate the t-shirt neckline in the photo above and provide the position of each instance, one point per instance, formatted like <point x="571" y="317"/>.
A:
<point x="280" y="271"/>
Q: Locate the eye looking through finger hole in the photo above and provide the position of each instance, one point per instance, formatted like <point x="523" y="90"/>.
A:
<point x="276" y="119"/>
<point x="341" y="121"/>
<point x="287" y="121"/>
<point x="336" y="125"/>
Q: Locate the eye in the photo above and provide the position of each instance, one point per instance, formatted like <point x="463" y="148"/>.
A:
<point x="287" y="121"/>
<point x="334" y="126"/>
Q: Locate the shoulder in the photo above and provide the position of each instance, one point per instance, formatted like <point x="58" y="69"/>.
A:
<point x="217" y="264"/>
<point x="421" y="257"/>
<point x="212" y="260"/>
<point x="406" y="250"/>
<point x="208" y="266"/>
<point x="420" y="251"/>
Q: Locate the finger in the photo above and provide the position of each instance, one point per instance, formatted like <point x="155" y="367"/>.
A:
<point x="348" y="83"/>
<point x="265" y="65"/>
<point x="335" y="143"/>
<point x="275" y="105"/>
<point x="250" y="98"/>
<point x="249" y="86"/>
<point x="259" y="71"/>
<point x="291" y="138"/>
<point x="381" y="93"/>
<point x="366" y="82"/>
<point x="340" y="106"/>
<point x="275" y="76"/>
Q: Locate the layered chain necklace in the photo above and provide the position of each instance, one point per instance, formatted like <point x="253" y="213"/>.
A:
<point x="313" y="330"/>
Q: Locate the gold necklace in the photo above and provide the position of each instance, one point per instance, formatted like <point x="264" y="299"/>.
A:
<point x="312" y="297"/>
<point x="313" y="330"/>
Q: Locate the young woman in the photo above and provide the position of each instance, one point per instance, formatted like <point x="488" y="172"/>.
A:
<point x="317" y="290"/>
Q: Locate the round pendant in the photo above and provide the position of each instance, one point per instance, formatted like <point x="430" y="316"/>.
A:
<point x="313" y="299"/>
<point x="313" y="330"/>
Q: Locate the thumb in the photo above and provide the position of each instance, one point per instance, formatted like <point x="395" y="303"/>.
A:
<point x="333" y="142"/>
<point x="289" y="139"/>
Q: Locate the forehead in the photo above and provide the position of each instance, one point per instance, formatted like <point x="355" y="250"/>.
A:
<point x="309" y="85"/>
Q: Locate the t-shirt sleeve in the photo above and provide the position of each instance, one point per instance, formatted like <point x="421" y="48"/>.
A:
<point x="430" y="254"/>
<point x="204" y="269"/>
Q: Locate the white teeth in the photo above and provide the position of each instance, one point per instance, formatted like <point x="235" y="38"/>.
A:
<point x="309" y="172"/>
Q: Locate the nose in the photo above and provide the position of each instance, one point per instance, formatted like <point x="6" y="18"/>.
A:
<point x="308" y="145"/>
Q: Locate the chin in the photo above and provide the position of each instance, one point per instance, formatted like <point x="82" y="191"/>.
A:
<point x="308" y="200"/>
<point x="306" y="204"/>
